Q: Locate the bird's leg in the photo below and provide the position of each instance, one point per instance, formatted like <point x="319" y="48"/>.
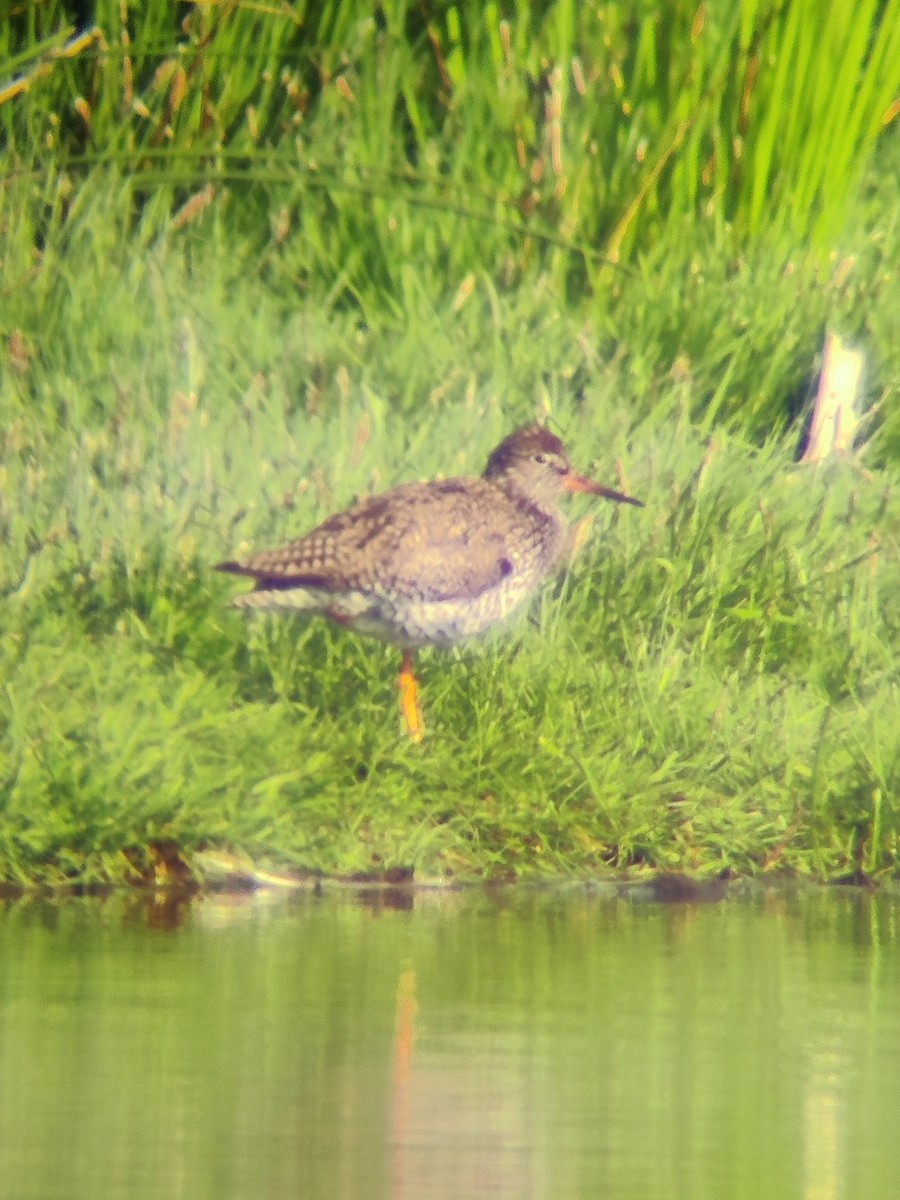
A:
<point x="409" y="699"/>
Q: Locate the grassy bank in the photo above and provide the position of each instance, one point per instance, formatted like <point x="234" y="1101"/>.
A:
<point x="713" y="687"/>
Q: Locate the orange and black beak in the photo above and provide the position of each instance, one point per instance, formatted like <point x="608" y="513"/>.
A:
<point x="578" y="483"/>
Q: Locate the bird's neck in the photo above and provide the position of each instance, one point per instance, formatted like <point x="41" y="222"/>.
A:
<point x="542" y="511"/>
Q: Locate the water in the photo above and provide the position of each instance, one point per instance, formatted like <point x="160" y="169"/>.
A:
<point x="511" y="1044"/>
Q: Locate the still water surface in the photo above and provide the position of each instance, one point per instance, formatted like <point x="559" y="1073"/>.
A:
<point x="511" y="1044"/>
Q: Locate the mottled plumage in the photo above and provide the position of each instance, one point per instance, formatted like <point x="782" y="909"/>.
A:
<point x="432" y="563"/>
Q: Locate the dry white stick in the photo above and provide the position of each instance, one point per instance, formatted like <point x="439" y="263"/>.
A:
<point x="837" y="409"/>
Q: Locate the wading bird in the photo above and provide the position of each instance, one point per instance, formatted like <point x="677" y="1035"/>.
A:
<point x="431" y="564"/>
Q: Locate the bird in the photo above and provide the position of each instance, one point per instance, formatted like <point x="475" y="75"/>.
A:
<point x="432" y="563"/>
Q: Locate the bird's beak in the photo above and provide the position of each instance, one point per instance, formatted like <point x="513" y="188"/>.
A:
<point x="578" y="483"/>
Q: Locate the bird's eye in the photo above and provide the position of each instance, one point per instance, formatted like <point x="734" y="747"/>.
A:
<point x="540" y="458"/>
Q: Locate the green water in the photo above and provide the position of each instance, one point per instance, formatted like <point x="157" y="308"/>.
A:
<point x="511" y="1044"/>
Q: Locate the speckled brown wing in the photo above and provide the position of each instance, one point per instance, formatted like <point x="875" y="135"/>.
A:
<point x="453" y="542"/>
<point x="444" y="540"/>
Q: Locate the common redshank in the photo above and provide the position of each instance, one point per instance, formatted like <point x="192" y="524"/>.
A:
<point x="430" y="564"/>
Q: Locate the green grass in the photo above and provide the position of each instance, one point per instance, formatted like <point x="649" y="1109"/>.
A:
<point x="713" y="687"/>
<point x="591" y="126"/>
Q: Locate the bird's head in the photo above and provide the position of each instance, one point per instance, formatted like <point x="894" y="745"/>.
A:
<point x="533" y="462"/>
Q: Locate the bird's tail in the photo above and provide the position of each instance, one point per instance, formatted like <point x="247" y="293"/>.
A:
<point x="295" y="592"/>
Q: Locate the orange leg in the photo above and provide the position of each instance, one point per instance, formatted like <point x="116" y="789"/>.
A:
<point x="409" y="699"/>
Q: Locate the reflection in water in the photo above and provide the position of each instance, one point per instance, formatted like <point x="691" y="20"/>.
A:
<point x="508" y="1044"/>
<point x="462" y="1118"/>
<point x="823" y="1127"/>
